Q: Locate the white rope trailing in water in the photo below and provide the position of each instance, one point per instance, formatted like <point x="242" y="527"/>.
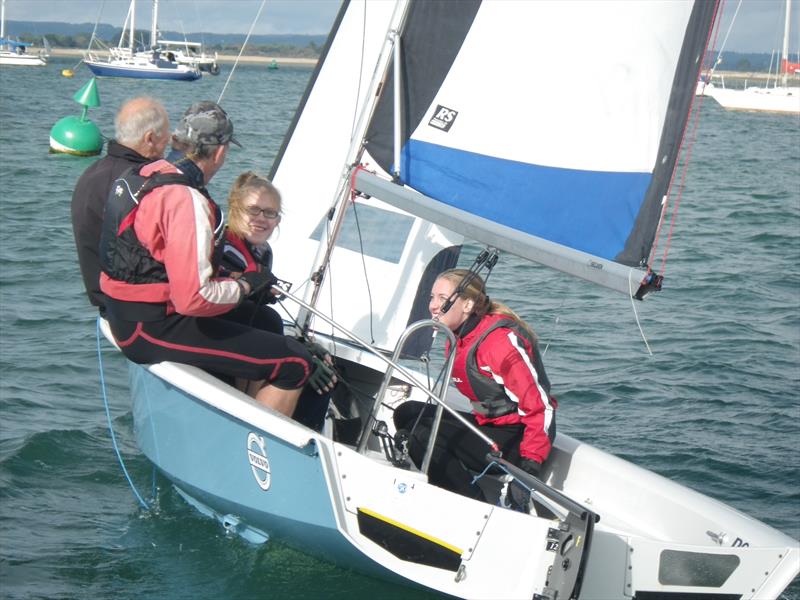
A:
<point x="236" y="62"/>
<point x="636" y="314"/>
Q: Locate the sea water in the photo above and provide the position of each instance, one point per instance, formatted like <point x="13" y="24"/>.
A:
<point x="716" y="407"/>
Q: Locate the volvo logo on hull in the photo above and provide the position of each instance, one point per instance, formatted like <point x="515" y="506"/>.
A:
<point x="259" y="463"/>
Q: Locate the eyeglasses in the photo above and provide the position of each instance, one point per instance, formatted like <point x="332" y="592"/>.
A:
<point x="268" y="213"/>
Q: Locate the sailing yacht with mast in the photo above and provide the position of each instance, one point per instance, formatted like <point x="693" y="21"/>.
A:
<point x="125" y="61"/>
<point x="783" y="98"/>
<point x="424" y="125"/>
<point x="16" y="53"/>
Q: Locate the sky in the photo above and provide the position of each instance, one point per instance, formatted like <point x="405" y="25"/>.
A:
<point x="758" y="26"/>
<point x="193" y="16"/>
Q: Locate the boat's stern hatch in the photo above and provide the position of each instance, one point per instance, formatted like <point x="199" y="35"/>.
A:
<point x="457" y="545"/>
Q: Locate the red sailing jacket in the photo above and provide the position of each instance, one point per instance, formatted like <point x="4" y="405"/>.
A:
<point x="176" y="224"/>
<point x="509" y="363"/>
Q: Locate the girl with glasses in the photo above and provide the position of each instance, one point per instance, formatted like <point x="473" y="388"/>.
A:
<point x="254" y="212"/>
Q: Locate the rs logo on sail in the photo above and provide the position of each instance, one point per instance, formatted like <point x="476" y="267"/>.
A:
<point x="443" y="118"/>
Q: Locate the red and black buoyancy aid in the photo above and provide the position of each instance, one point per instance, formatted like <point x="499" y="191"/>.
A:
<point x="240" y="256"/>
<point x="492" y="398"/>
<point x="122" y="255"/>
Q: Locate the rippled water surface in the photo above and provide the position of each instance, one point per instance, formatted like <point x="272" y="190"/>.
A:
<point x="716" y="407"/>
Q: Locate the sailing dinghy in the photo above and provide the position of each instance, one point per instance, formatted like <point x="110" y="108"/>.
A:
<point x="425" y="124"/>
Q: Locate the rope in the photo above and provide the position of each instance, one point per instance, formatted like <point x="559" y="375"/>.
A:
<point x="636" y="313"/>
<point x="241" y="50"/>
<point x="360" y="71"/>
<point x="482" y="473"/>
<point x="92" y="38"/>
<point x="111" y="425"/>
<point x="353" y="195"/>
<point x="687" y="154"/>
<point x="718" y="60"/>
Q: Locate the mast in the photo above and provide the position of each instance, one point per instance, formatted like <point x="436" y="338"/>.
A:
<point x="154" y="25"/>
<point x="3" y="20"/>
<point x="785" y="50"/>
<point x="353" y="157"/>
<point x="132" y="31"/>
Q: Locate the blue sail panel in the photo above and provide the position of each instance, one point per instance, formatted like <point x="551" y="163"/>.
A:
<point x="590" y="211"/>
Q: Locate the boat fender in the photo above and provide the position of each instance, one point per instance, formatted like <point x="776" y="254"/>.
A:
<point x="214" y="69"/>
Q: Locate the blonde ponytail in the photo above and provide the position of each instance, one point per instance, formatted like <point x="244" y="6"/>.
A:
<point x="482" y="305"/>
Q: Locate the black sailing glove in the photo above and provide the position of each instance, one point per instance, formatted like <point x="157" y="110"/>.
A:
<point x="259" y="281"/>
<point x="530" y="466"/>
<point x="519" y="495"/>
<point x="323" y="377"/>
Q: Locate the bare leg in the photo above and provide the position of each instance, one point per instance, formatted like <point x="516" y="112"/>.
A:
<point x="284" y="401"/>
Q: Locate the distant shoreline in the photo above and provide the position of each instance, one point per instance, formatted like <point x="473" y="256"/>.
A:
<point x="222" y="58"/>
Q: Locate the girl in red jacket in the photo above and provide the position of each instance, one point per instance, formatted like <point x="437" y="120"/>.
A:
<point x="498" y="367"/>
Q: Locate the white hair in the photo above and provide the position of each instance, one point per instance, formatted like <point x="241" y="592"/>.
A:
<point x="130" y="127"/>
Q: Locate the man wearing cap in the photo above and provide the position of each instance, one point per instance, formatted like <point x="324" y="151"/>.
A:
<point x="141" y="130"/>
<point x="159" y="250"/>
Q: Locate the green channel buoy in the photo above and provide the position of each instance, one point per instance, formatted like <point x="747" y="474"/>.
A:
<point x="78" y="135"/>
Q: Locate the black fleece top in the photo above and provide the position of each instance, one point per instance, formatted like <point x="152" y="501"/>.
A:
<point x="88" y="203"/>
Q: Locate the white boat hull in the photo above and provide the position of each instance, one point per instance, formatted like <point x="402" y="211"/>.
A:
<point x="22" y="60"/>
<point x="785" y="100"/>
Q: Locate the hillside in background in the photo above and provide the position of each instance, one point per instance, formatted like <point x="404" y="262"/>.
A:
<point x="744" y="61"/>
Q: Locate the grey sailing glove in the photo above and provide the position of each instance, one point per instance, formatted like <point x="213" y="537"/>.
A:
<point x="315" y="349"/>
<point x="323" y="377"/>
